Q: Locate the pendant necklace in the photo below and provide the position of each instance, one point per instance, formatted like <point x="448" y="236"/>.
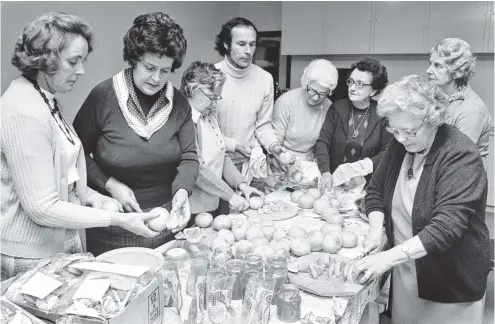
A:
<point x="355" y="133"/>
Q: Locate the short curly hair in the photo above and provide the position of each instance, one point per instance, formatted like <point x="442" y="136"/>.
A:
<point x="200" y="73"/>
<point x="155" y="33"/>
<point x="416" y="97"/>
<point x="39" y="46"/>
<point x="378" y="72"/>
<point x="322" y="72"/>
<point x="225" y="35"/>
<point x="459" y="59"/>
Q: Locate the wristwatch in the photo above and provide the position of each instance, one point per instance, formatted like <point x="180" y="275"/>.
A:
<point x="404" y="248"/>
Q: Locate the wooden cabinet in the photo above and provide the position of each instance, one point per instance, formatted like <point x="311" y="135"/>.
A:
<point x="490" y="29"/>
<point x="302" y="31"/>
<point x="463" y="19"/>
<point x="400" y="27"/>
<point x="347" y="27"/>
<point x="392" y="27"/>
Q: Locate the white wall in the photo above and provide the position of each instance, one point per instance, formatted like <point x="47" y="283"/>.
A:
<point x="200" y="21"/>
<point x="266" y="15"/>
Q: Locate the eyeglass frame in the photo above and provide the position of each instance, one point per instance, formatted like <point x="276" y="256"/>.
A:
<point x="211" y="99"/>
<point x="359" y="85"/>
<point x="321" y="95"/>
<point x="407" y="132"/>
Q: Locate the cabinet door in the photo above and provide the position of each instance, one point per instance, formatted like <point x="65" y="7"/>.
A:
<point x="457" y="19"/>
<point x="490" y="30"/>
<point x="302" y="32"/>
<point x="347" y="27"/>
<point x="399" y="27"/>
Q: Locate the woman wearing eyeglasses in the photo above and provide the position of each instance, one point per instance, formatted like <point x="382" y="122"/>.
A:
<point x="138" y="128"/>
<point x="202" y="85"/>
<point x="352" y="131"/>
<point x="451" y="67"/>
<point x="430" y="192"/>
<point x="299" y="113"/>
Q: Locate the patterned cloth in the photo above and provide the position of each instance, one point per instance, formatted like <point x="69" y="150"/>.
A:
<point x="145" y="125"/>
<point x="355" y="144"/>
<point x="104" y="239"/>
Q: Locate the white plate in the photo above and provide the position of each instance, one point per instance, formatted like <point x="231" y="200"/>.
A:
<point x="134" y="256"/>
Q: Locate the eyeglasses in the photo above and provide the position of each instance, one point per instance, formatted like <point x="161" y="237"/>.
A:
<point x="210" y="98"/>
<point x="406" y="132"/>
<point x="313" y="92"/>
<point x="359" y="84"/>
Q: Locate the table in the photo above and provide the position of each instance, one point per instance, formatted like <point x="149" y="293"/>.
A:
<point x="311" y="303"/>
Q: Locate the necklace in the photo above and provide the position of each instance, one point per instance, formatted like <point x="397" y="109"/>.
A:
<point x="54" y="111"/>
<point x="355" y="133"/>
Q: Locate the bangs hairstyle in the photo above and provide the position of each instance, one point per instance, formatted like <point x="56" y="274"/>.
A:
<point x="201" y="74"/>
<point x="459" y="59"/>
<point x="42" y="40"/>
<point x="225" y="35"/>
<point x="415" y="97"/>
<point x="158" y="34"/>
<point x="322" y="72"/>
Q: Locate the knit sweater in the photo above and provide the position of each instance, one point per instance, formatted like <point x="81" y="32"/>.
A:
<point x="296" y="124"/>
<point x="35" y="208"/>
<point x="471" y="117"/>
<point x="331" y="144"/>
<point x="217" y="173"/>
<point x="244" y="114"/>
<point x="154" y="169"/>
<point x="448" y="215"/>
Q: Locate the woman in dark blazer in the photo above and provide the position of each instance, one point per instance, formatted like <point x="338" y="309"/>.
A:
<point x="352" y="131"/>
<point x="430" y="190"/>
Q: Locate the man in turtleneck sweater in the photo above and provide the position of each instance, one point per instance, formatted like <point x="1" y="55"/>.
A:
<point x="244" y="113"/>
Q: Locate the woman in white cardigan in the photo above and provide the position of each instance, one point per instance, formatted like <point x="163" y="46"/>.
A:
<point x="218" y="176"/>
<point x="44" y="193"/>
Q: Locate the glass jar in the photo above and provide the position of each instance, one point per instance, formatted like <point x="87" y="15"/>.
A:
<point x="235" y="267"/>
<point x="220" y="257"/>
<point x="257" y="298"/>
<point x="197" y="277"/>
<point x="276" y="267"/>
<point x="219" y="287"/>
<point x="288" y="304"/>
<point x="253" y="263"/>
<point x="172" y="296"/>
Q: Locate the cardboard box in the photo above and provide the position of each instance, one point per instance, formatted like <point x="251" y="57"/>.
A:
<point x="146" y="308"/>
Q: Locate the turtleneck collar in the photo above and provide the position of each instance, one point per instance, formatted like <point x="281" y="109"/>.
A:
<point x="233" y="71"/>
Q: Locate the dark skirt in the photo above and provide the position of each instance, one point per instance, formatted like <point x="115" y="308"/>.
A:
<point x="103" y="239"/>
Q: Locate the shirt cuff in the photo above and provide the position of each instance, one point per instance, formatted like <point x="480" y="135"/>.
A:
<point x="230" y="144"/>
<point x="227" y="195"/>
<point x="368" y="165"/>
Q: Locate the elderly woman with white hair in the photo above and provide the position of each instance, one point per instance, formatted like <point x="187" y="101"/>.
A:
<point x="429" y="190"/>
<point x="451" y="67"/>
<point x="218" y="177"/>
<point x="352" y="131"/>
<point x="299" y="113"/>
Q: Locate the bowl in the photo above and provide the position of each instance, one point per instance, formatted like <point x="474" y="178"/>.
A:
<point x="134" y="256"/>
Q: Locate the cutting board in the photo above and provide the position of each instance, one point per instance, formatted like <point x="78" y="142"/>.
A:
<point x="291" y="211"/>
<point x="323" y="286"/>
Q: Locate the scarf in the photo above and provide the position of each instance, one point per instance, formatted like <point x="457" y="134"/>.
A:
<point x="143" y="125"/>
